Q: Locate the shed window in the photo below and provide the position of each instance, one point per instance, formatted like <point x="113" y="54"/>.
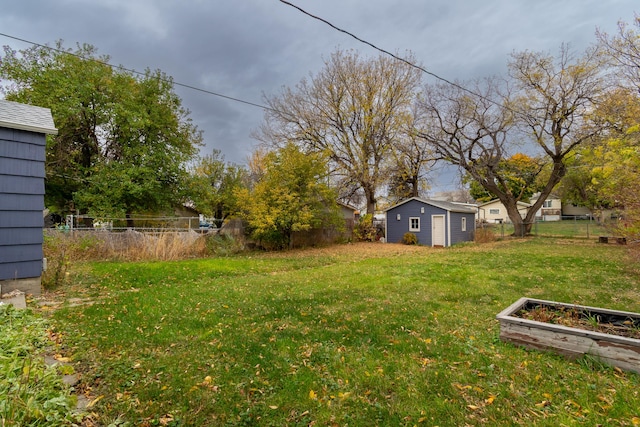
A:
<point x="464" y="224"/>
<point x="547" y="204"/>
<point x="414" y="224"/>
<point x="494" y="211"/>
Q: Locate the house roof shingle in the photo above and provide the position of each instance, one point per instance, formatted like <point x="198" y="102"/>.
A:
<point x="448" y="206"/>
<point x="15" y="115"/>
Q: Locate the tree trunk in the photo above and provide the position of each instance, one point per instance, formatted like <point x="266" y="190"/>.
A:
<point x="415" y="186"/>
<point x="370" y="195"/>
<point x="289" y="235"/>
<point x="521" y="227"/>
<point x="130" y="223"/>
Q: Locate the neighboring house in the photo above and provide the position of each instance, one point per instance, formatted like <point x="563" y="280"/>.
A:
<point x="571" y="211"/>
<point x="551" y="209"/>
<point x="325" y="235"/>
<point x="435" y="223"/>
<point x="349" y="213"/>
<point x="495" y="212"/>
<point x="351" y="216"/>
<point x="23" y="130"/>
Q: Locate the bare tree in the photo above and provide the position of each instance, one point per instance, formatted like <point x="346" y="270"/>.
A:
<point x="411" y="162"/>
<point x="355" y="110"/>
<point x="550" y="102"/>
<point x="471" y="130"/>
<point x="622" y="109"/>
<point x="623" y="50"/>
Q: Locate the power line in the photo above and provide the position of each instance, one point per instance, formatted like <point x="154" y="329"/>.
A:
<point x="399" y="58"/>
<point x="130" y="70"/>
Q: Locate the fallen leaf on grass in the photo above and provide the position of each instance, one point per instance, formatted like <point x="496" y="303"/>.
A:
<point x="61" y="358"/>
<point x="94" y="401"/>
<point x="165" y="420"/>
<point x="543" y="404"/>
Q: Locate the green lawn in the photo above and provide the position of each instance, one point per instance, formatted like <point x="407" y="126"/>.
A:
<point x="357" y="335"/>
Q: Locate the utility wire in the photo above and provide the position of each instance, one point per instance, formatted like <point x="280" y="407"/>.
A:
<point x="399" y="58"/>
<point x="120" y="67"/>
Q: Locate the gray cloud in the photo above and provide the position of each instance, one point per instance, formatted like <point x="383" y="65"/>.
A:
<point x="249" y="47"/>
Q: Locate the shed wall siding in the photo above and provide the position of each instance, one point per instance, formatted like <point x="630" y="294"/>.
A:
<point x="427" y="211"/>
<point x="22" y="172"/>
<point x="26" y="269"/>
<point x="457" y="235"/>
<point x="396" y="229"/>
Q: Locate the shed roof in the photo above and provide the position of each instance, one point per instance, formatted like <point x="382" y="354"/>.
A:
<point x="15" y="115"/>
<point x="348" y="206"/>
<point x="447" y="206"/>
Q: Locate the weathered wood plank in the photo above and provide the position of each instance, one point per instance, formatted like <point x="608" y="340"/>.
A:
<point x="615" y="350"/>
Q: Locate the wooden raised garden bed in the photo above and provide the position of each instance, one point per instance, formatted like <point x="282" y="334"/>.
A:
<point x="610" y="336"/>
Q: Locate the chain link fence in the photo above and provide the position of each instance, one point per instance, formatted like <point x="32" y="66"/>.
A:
<point x="567" y="227"/>
<point x="140" y="223"/>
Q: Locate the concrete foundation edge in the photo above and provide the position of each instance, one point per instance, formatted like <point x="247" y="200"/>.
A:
<point x="32" y="285"/>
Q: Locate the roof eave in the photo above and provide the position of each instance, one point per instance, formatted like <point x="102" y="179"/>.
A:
<point x="29" y="128"/>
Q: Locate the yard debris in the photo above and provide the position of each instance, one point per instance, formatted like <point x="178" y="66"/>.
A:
<point x="12" y="294"/>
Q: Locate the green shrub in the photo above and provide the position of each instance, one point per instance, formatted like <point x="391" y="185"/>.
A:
<point x="410" y="239"/>
<point x="365" y="231"/>
<point x="222" y="244"/>
<point x="31" y="393"/>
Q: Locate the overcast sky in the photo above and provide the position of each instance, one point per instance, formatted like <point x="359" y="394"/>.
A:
<point x="249" y="48"/>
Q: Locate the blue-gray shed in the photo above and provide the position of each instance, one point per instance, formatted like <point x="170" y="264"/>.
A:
<point x="23" y="130"/>
<point x="434" y="222"/>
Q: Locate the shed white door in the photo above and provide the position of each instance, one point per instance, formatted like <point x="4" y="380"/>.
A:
<point x="437" y="230"/>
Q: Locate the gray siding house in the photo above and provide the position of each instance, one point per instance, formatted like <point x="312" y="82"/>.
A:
<point x="23" y="130"/>
<point x="434" y="222"/>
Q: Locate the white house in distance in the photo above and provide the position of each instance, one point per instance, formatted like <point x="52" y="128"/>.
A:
<point x="495" y="212"/>
<point x="551" y="209"/>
